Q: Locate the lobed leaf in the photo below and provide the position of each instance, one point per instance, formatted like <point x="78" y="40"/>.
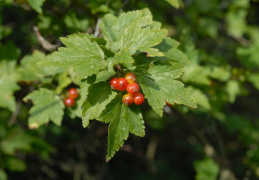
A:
<point x="99" y="96"/>
<point x="123" y="119"/>
<point x="81" y="54"/>
<point x="47" y="107"/>
<point x="159" y="85"/>
<point x="133" y="31"/>
<point x="29" y="69"/>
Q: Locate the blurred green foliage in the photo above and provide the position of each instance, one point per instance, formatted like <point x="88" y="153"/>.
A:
<point x="221" y="41"/>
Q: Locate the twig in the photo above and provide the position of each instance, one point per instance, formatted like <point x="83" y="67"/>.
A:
<point x="45" y="44"/>
<point x="97" y="28"/>
<point x="151" y="149"/>
<point x="225" y="173"/>
<point x="131" y="150"/>
<point x="14" y="115"/>
<point x="241" y="40"/>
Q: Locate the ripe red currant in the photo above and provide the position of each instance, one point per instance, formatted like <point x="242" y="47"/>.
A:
<point x="114" y="83"/>
<point x="127" y="99"/>
<point x="69" y="102"/>
<point x="132" y="88"/>
<point x="73" y="93"/>
<point x="122" y="84"/>
<point x="138" y="98"/>
<point x="130" y="77"/>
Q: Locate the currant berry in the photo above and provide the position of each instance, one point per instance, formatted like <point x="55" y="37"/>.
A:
<point x="132" y="88"/>
<point x="73" y="93"/>
<point x="69" y="102"/>
<point x="114" y="83"/>
<point x="127" y="99"/>
<point x="122" y="84"/>
<point x="131" y="77"/>
<point x="138" y="98"/>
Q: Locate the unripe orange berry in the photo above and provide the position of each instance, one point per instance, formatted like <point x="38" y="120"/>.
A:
<point x="131" y="77"/>
<point x="127" y="99"/>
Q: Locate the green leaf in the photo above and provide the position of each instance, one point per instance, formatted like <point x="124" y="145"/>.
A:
<point x="175" y="3"/>
<point x="36" y="5"/>
<point x="254" y="79"/>
<point x="3" y="175"/>
<point x="63" y="81"/>
<point x="123" y="57"/>
<point x="169" y="48"/>
<point x="9" y="52"/>
<point x="233" y="89"/>
<point x="236" y="22"/>
<point x="196" y="74"/>
<point x="206" y="169"/>
<point x="8" y="85"/>
<point x="83" y="91"/>
<point x="75" y="23"/>
<point x="29" y="70"/>
<point x="218" y="73"/>
<point x="200" y="98"/>
<point x="249" y="56"/>
<point x="123" y="119"/>
<point x="16" y="139"/>
<point x="99" y="96"/>
<point x="132" y="31"/>
<point x="159" y="85"/>
<point x="47" y="106"/>
<point x="14" y="164"/>
<point x="85" y="57"/>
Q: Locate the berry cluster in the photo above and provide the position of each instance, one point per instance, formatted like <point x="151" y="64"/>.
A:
<point x="72" y="95"/>
<point x="129" y="84"/>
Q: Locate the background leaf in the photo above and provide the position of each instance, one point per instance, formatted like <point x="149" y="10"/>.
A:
<point x="47" y="107"/>
<point x="8" y="85"/>
<point x="3" y="175"/>
<point x="175" y="3"/>
<point x="206" y="169"/>
<point x="36" y="5"/>
<point x="29" y="69"/>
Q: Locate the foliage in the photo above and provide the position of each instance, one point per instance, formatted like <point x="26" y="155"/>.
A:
<point x="199" y="56"/>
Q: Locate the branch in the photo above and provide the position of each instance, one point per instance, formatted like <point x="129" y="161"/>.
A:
<point x="97" y="28"/>
<point x="45" y="44"/>
<point x="209" y="150"/>
<point x="14" y="115"/>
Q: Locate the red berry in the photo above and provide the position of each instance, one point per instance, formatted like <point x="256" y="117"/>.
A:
<point x="138" y="98"/>
<point x="114" y="83"/>
<point x="130" y="77"/>
<point x="127" y="99"/>
<point x="132" y="88"/>
<point x="73" y="93"/>
<point x="122" y="83"/>
<point x="69" y="102"/>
